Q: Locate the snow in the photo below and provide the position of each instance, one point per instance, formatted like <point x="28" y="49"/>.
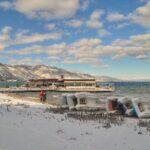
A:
<point x="25" y="125"/>
<point x="25" y="72"/>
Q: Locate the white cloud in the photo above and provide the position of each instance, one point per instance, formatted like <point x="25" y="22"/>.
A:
<point x="85" y="5"/>
<point x="35" y="37"/>
<point x="56" y="50"/>
<point x="4" y="37"/>
<point x="113" y="17"/>
<point x="5" y="4"/>
<point x="69" y="61"/>
<point x="74" y="23"/>
<point x="141" y="15"/>
<point x="91" y="51"/>
<point x="83" y="51"/>
<point x="121" y="25"/>
<point x="50" y="26"/>
<point x="25" y="61"/>
<point x="1" y="47"/>
<point x="142" y="56"/>
<point x="94" y="21"/>
<point x="136" y="46"/>
<point x="86" y="42"/>
<point x="144" y="0"/>
<point x="34" y="49"/>
<point x="103" y="32"/>
<point x="24" y="37"/>
<point x="45" y="9"/>
<point x="140" y="38"/>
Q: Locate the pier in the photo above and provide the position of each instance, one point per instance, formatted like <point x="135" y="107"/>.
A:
<point x="52" y="89"/>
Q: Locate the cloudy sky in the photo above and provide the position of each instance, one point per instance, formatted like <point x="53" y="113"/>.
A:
<point x="101" y="37"/>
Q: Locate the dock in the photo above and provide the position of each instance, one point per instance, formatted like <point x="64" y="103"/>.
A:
<point x="51" y="89"/>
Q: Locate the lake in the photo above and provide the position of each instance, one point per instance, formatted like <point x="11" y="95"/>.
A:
<point x="123" y="89"/>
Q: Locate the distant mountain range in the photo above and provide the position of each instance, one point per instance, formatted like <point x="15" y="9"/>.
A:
<point x="26" y="72"/>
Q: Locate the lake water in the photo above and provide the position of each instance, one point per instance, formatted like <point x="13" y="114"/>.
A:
<point x="11" y="84"/>
<point x="123" y="89"/>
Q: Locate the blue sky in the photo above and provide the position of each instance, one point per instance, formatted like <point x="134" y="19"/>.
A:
<point x="92" y="36"/>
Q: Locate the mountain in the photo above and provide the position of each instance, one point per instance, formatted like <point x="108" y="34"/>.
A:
<point x="106" y="79"/>
<point x="26" y="72"/>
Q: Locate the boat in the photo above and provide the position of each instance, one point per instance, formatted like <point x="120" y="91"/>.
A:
<point x="128" y="106"/>
<point x="141" y="108"/>
<point x="82" y="101"/>
<point x="68" y="101"/>
<point x="71" y="85"/>
<point x="63" y="102"/>
<point x="112" y="105"/>
<point x="88" y="101"/>
<point x="63" y="85"/>
<point x="119" y="105"/>
<point x="136" y="107"/>
<point x="72" y="101"/>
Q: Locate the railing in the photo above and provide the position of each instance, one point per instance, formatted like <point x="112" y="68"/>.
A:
<point x="54" y="88"/>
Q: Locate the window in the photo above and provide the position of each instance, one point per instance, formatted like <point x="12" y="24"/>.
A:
<point x="83" y="101"/>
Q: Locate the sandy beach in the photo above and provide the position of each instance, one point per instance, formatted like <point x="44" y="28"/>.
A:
<point x="27" y="125"/>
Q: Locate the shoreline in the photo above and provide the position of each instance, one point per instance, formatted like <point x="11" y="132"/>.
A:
<point x="37" y="127"/>
<point x="31" y="99"/>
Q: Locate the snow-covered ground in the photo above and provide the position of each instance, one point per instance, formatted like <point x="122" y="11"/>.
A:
<point x="26" y="125"/>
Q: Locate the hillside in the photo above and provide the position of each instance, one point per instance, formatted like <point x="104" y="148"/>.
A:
<point x="26" y="72"/>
